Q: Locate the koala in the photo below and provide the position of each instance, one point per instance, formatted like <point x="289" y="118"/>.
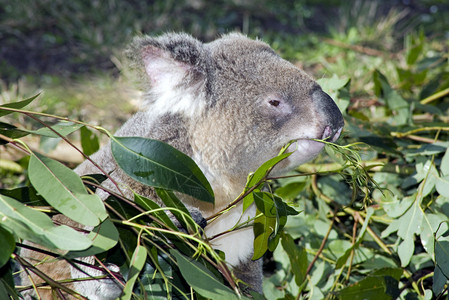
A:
<point x="230" y="105"/>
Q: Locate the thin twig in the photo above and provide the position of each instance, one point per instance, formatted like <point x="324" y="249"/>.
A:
<point x="49" y="280"/>
<point x="323" y="243"/>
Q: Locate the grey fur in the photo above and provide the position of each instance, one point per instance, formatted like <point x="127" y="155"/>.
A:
<point x="231" y="105"/>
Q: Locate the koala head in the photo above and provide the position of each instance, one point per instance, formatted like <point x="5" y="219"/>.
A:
<point x="240" y="102"/>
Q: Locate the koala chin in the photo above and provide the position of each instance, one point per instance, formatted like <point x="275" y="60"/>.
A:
<point x="231" y="105"/>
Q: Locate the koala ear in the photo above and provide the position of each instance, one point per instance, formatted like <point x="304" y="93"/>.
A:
<point x="173" y="56"/>
<point x="174" y="67"/>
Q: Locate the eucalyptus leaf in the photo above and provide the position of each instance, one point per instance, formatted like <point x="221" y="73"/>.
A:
<point x="17" y="105"/>
<point x="429" y="226"/>
<point x="338" y="89"/>
<point x="343" y="259"/>
<point x="406" y="249"/>
<point x="183" y="217"/>
<point x="265" y="203"/>
<point x="3" y="291"/>
<point x="297" y="256"/>
<point x="26" y="195"/>
<point x="63" y="128"/>
<point x="64" y="190"/>
<point x="8" y="245"/>
<point x="414" y="47"/>
<point x="444" y="167"/>
<point x="290" y="191"/>
<point x="442" y="186"/>
<point x="89" y="141"/>
<point x="104" y="237"/>
<point x="157" y="164"/>
<point x="410" y="222"/>
<point x="11" y="131"/>
<point x="202" y="280"/>
<point x="442" y="255"/>
<point x="150" y="205"/>
<point x="439" y="281"/>
<point x="7" y="290"/>
<point x="394" y="101"/>
<point x="157" y="282"/>
<point x="372" y="287"/>
<point x="263" y="170"/>
<point x="137" y="263"/>
<point x="263" y="228"/>
<point x="37" y="227"/>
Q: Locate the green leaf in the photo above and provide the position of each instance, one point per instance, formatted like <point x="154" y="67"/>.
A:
<point x="413" y="53"/>
<point x="157" y="164"/>
<point x="149" y="205"/>
<point x="410" y="222"/>
<point x="405" y="250"/>
<point x="442" y="186"/>
<point x="7" y="290"/>
<point x="262" y="171"/>
<point x="338" y="89"/>
<point x="393" y="100"/>
<point x="263" y="228"/>
<point x="26" y="195"/>
<point x="282" y="211"/>
<point x="157" y="281"/>
<point x="444" y="167"/>
<point x="442" y="255"/>
<point x="104" y="237"/>
<point x="439" y="281"/>
<point x="248" y="200"/>
<point x="8" y="245"/>
<point x="18" y="105"/>
<point x="429" y="226"/>
<point x="11" y="131"/>
<point x="265" y="203"/>
<point x="37" y="227"/>
<point x="202" y="280"/>
<point x="258" y="175"/>
<point x="3" y="291"/>
<point x="64" y="190"/>
<point x="137" y="263"/>
<point x="396" y="273"/>
<point x="272" y="207"/>
<point x="89" y="141"/>
<point x="170" y="200"/>
<point x="372" y="287"/>
<point x="297" y="256"/>
<point x="63" y="128"/>
<point x="343" y="259"/>
<point x="290" y="191"/>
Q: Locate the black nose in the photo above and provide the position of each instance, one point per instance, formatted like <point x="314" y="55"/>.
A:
<point x="329" y="115"/>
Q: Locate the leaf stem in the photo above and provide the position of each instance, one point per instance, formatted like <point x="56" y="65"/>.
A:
<point x="435" y="96"/>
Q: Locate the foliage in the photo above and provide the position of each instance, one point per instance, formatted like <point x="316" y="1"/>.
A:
<point x="373" y="215"/>
<point x="372" y="221"/>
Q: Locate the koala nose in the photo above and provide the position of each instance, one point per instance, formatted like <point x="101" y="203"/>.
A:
<point x="329" y="115"/>
<point x="331" y="135"/>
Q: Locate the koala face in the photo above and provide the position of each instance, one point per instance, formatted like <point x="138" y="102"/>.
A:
<point x="258" y="102"/>
<point x="240" y="102"/>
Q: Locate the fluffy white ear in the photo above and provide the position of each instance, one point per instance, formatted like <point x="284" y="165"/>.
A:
<point x="162" y="69"/>
<point x="175" y="70"/>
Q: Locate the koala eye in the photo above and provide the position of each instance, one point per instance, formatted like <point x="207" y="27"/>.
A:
<point x="274" y="103"/>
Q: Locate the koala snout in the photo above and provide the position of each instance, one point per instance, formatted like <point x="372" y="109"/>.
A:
<point x="330" y="134"/>
<point x="329" y="115"/>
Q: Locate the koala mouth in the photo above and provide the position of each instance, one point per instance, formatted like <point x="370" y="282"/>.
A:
<point x="331" y="135"/>
<point x="306" y="149"/>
